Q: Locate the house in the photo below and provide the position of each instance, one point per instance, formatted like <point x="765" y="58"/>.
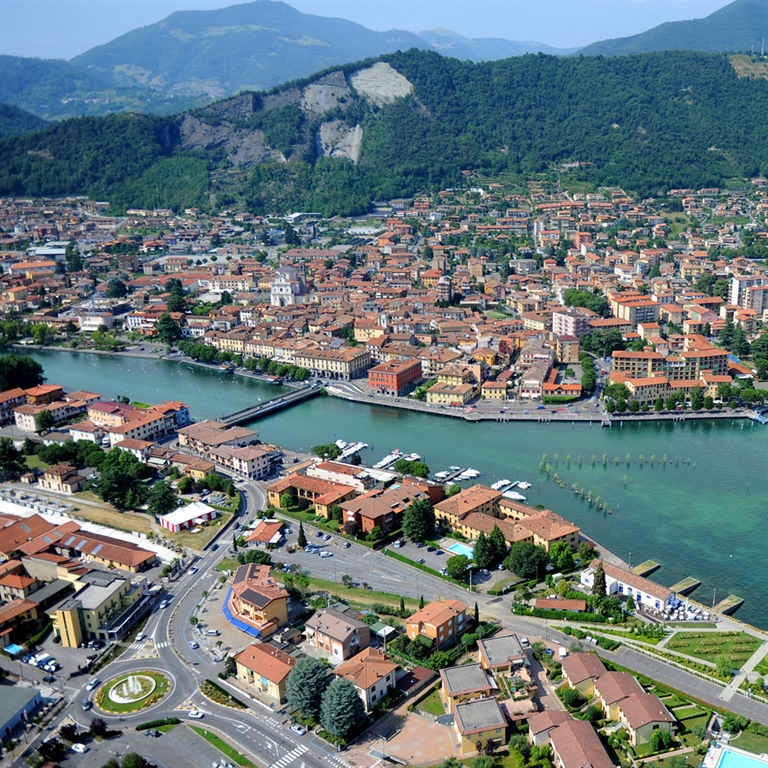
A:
<point x="382" y="509"/>
<point x="581" y="670"/>
<point x="266" y="669"/>
<point x="266" y="532"/>
<point x="257" y="600"/>
<point x="611" y="688"/>
<point x="501" y="653"/>
<point x="188" y="516"/>
<point x="18" y="707"/>
<point x="62" y="478"/>
<point x="619" y="581"/>
<point x="575" y="744"/>
<point x="322" y="495"/>
<point x="441" y="622"/>
<point x="642" y="714"/>
<point x="479" y="722"/>
<point x="338" y="634"/>
<point x="372" y="673"/>
<point x="466" y="682"/>
<point x="540" y="724"/>
<point x="478" y="499"/>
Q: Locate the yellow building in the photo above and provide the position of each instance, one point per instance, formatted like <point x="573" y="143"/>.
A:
<point x="479" y="498"/>
<point x="494" y="390"/>
<point x="479" y="722"/>
<point x="258" y="600"/>
<point x="466" y="682"/>
<point x="266" y="669"/>
<point x="101" y="609"/>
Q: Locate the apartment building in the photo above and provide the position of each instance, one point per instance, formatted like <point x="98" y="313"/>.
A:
<point x="442" y="622"/>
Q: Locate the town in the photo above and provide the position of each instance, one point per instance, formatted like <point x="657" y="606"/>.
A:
<point x="160" y="569"/>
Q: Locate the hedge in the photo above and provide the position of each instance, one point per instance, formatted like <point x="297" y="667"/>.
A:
<point x="158" y="723"/>
<point x="427" y="569"/>
<point x="589" y="618"/>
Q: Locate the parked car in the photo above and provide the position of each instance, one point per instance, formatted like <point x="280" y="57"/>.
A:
<point x="347" y="545"/>
<point x="327" y="537"/>
<point x="49" y="679"/>
<point x="326" y="554"/>
<point x="420" y="561"/>
<point x="193" y="645"/>
<point x="319" y="534"/>
<point x="153" y="734"/>
<point x="81" y="749"/>
<point x="299" y="730"/>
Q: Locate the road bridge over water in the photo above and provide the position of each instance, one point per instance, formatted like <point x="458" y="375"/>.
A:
<point x="254" y="412"/>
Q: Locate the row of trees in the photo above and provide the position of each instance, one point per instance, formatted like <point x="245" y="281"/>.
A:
<point x="335" y="705"/>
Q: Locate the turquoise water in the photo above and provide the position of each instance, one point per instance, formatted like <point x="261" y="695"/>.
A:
<point x="461" y="549"/>
<point x="699" y="508"/>
<point x="731" y="759"/>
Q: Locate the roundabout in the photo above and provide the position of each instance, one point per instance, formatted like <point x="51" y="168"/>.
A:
<point x="132" y="691"/>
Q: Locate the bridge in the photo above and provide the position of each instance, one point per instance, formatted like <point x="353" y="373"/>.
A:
<point x="254" y="412"/>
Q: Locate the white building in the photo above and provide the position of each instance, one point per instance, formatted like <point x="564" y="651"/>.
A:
<point x="188" y="516"/>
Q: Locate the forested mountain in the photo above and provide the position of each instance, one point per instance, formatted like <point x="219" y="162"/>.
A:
<point x="15" y="121"/>
<point x="736" y="28"/>
<point x="54" y="89"/>
<point x="413" y="121"/>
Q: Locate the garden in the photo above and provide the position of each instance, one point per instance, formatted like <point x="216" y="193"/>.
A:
<point x="132" y="691"/>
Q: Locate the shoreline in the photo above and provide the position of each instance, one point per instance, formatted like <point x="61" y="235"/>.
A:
<point x="553" y="413"/>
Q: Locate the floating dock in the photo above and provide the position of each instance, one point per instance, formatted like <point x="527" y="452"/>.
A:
<point x="649" y="566"/>
<point x="686" y="586"/>
<point x="729" y="605"/>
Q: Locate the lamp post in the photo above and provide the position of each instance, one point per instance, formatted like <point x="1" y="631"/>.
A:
<point x="629" y="562"/>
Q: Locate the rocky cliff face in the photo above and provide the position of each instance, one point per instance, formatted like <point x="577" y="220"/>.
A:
<point x="229" y="124"/>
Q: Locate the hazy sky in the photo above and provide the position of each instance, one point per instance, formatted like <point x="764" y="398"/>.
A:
<point x="64" y="28"/>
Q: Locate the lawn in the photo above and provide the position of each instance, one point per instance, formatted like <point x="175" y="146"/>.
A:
<point x="737" y="647"/>
<point x="197" y="541"/>
<point x="752" y="742"/>
<point x="105" y="514"/>
<point x="222" y="746"/>
<point x="35" y="462"/>
<point x="432" y="704"/>
<point x="228" y="564"/>
<point x="361" y="597"/>
<point x="762" y="666"/>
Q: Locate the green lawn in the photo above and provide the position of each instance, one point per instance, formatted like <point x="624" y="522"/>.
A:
<point x="222" y="746"/>
<point x="737" y="647"/>
<point x="228" y="564"/>
<point x="197" y="541"/>
<point x="752" y="742"/>
<point x="35" y="462"/>
<point x="762" y="666"/>
<point x="432" y="704"/>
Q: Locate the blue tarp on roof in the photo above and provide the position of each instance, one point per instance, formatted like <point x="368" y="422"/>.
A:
<point x="13" y="649"/>
<point x="241" y="625"/>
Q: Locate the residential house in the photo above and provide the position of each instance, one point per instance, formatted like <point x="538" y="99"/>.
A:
<point x="442" y="622"/>
<point x="501" y="653"/>
<point x="479" y="722"/>
<point x="372" y="673"/>
<point x="465" y="682"/>
<point x="266" y="669"/>
<point x="336" y="633"/>
<point x="575" y="744"/>
<point x="257" y="600"/>
<point x="581" y="670"/>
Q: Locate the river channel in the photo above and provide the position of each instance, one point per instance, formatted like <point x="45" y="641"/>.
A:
<point x="700" y="507"/>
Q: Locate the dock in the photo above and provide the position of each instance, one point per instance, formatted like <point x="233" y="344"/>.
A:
<point x="729" y="605"/>
<point x="686" y="586"/>
<point x="649" y="566"/>
<point x="253" y="412"/>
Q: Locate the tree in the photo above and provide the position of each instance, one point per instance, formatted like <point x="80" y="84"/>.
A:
<point x="351" y="528"/>
<point x="572" y="698"/>
<point x="483" y="554"/>
<point x="326" y="450"/>
<point x="305" y="686"/>
<point x="342" y="709"/>
<point x="419" y="520"/>
<point x="116" y="289"/>
<point x="98" y="727"/>
<point x="723" y="666"/>
<point x="498" y="544"/>
<point x="133" y="760"/>
<point x="22" y="372"/>
<point x="414" y="468"/>
<point x="167" y="329"/>
<point x="599" y="587"/>
<point x="697" y="398"/>
<point x="457" y="567"/>
<point x="230" y="666"/>
<point x="11" y="460"/>
<point x="453" y="489"/>
<point x="161" y="499"/>
<point x="44" y="421"/>
<point x="69" y="731"/>
<point x="560" y="556"/>
<point x="526" y="559"/>
<point x="120" y="480"/>
<point x="302" y="538"/>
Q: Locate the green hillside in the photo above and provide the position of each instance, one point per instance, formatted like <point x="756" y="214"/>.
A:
<point x="413" y="121"/>
<point x="736" y="28"/>
<point x="15" y="121"/>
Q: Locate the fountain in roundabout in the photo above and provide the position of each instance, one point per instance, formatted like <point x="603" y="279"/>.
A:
<point x="132" y="689"/>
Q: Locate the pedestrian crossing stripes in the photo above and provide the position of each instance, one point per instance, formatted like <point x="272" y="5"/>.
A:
<point x="162" y="645"/>
<point x="336" y="761"/>
<point x="286" y="760"/>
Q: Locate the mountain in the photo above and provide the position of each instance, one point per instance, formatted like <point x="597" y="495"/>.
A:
<point x="15" y="121"/>
<point x="409" y="122"/>
<point x="55" y="89"/>
<point x="483" y="48"/>
<point x="737" y="27"/>
<point x="259" y="45"/>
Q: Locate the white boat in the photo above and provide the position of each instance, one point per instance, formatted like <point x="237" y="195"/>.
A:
<point x="390" y="458"/>
<point x="499" y="484"/>
<point x="441" y="475"/>
<point x="412" y="457"/>
<point x="341" y="444"/>
<point x="352" y="449"/>
<point x="523" y="485"/>
<point x="513" y="495"/>
<point x="454" y="468"/>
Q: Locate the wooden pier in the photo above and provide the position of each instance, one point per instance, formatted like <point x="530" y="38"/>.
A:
<point x="649" y="566"/>
<point x="729" y="605"/>
<point x="686" y="586"/>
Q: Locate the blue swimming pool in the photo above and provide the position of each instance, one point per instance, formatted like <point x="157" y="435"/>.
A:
<point x="461" y="549"/>
<point x="733" y="759"/>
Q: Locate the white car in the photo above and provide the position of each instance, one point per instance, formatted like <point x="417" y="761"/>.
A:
<point x="326" y="554"/>
<point x="140" y="637"/>
<point x="298" y="729"/>
<point x="196" y="714"/>
<point x="92" y="683"/>
<point x="81" y="749"/>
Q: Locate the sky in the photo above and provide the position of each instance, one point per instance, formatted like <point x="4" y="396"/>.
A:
<point x="61" y="29"/>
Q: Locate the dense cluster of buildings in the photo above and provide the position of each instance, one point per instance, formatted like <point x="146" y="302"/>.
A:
<point x="454" y="292"/>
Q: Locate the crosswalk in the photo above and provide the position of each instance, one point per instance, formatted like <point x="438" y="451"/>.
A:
<point x="162" y="645"/>
<point x="286" y="760"/>
<point x="337" y="762"/>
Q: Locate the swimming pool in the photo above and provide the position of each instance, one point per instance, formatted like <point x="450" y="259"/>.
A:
<point x="731" y="758"/>
<point x="458" y="548"/>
